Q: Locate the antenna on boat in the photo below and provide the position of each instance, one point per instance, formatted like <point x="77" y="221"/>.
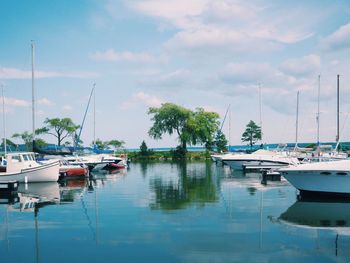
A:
<point x="33" y="93"/>
<point x="337" y="137"/>
<point x="297" y="124"/>
<point x="3" y="117"/>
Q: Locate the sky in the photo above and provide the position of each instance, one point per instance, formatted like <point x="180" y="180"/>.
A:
<point x="212" y="54"/>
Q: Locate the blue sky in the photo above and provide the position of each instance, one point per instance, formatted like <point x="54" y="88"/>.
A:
<point x="198" y="53"/>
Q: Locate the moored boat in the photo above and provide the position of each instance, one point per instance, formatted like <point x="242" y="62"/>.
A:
<point x="332" y="177"/>
<point x="261" y="158"/>
<point x="23" y="167"/>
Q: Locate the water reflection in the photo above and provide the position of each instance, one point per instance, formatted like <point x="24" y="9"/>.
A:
<point x="318" y="213"/>
<point x="192" y="186"/>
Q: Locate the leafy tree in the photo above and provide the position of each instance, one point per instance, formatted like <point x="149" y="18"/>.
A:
<point x="170" y="118"/>
<point x="60" y="128"/>
<point x="252" y="133"/>
<point x="9" y="143"/>
<point x="143" y="149"/>
<point x="204" y="125"/>
<point x="116" y="144"/>
<point x="28" y="139"/>
<point x="191" y="127"/>
<point x="221" y="142"/>
<point x="99" y="144"/>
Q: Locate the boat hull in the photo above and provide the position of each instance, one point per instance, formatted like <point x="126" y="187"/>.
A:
<point x="240" y="164"/>
<point x="44" y="173"/>
<point x="315" y="182"/>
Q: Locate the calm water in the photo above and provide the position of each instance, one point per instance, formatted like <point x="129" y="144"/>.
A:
<point x="194" y="212"/>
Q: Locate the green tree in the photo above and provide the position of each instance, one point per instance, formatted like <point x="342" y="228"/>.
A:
<point x="191" y="127"/>
<point x="9" y="143"/>
<point x="28" y="139"/>
<point x="59" y="128"/>
<point x="252" y="133"/>
<point x="116" y="144"/>
<point x="205" y="126"/>
<point x="170" y="118"/>
<point x="221" y="142"/>
<point x="144" y="149"/>
<point x="99" y="144"/>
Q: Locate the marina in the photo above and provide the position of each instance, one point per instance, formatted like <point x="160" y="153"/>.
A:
<point x="173" y="212"/>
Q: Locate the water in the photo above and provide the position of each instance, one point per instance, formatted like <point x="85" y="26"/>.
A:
<point x="194" y="212"/>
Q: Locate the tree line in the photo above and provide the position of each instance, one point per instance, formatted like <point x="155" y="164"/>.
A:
<point x="192" y="127"/>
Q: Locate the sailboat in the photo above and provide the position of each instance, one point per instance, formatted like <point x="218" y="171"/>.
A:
<point x="23" y="167"/>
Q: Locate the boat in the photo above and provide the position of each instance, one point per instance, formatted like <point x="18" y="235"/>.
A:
<point x="97" y="161"/>
<point x="260" y="158"/>
<point x="72" y="171"/>
<point x="330" y="177"/>
<point x="24" y="168"/>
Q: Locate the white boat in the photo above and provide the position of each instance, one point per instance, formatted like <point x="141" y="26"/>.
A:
<point x="260" y="158"/>
<point x="23" y="167"/>
<point x="332" y="177"/>
<point x="96" y="161"/>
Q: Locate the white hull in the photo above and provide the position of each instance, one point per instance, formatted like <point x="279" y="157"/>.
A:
<point x="44" y="173"/>
<point x="239" y="165"/>
<point x="324" y="177"/>
<point x="314" y="181"/>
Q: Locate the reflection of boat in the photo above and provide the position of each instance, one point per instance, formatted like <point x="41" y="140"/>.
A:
<point x="23" y="167"/>
<point x="70" y="188"/>
<point x="322" y="177"/>
<point x="46" y="192"/>
<point x="319" y="214"/>
<point x="259" y="158"/>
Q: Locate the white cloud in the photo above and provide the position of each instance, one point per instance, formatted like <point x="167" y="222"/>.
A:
<point x="13" y="73"/>
<point x="67" y="108"/>
<point x="127" y="56"/>
<point x="143" y="99"/>
<point x="242" y="73"/>
<point x="13" y="102"/>
<point x="237" y="25"/>
<point x="45" y="102"/>
<point x="301" y="67"/>
<point x="338" y="40"/>
<point x="176" y="78"/>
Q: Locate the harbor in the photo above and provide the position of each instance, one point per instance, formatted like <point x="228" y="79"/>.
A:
<point x="174" y="212"/>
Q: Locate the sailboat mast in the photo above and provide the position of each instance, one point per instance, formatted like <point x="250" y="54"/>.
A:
<point x="3" y="118"/>
<point x="260" y="110"/>
<point x="297" y="123"/>
<point x="318" y="113"/>
<point x="94" y="114"/>
<point x="337" y="137"/>
<point x="33" y="93"/>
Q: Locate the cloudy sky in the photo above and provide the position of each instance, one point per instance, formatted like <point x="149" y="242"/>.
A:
<point x="198" y="53"/>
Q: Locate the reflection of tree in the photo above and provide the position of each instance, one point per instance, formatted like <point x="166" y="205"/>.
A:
<point x="191" y="187"/>
<point x="143" y="166"/>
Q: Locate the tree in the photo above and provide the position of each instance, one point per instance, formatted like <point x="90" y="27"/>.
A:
<point x="252" y="133"/>
<point x="116" y="144"/>
<point x="221" y="142"/>
<point x="205" y="126"/>
<point x="170" y="118"/>
<point x="191" y="127"/>
<point x="143" y="149"/>
<point x="99" y="144"/>
<point x="28" y="139"/>
<point x="60" y="128"/>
